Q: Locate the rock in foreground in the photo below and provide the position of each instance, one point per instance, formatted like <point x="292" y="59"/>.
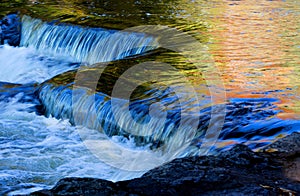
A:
<point x="237" y="171"/>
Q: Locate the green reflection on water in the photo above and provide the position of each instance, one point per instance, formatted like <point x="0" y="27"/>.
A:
<point x="114" y="13"/>
<point x="160" y="77"/>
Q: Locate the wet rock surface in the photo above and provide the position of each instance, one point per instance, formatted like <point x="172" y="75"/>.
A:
<point x="10" y="30"/>
<point x="234" y="172"/>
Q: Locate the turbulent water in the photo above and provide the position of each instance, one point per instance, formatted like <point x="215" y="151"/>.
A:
<point x="49" y="125"/>
<point x="30" y="66"/>
<point x="37" y="151"/>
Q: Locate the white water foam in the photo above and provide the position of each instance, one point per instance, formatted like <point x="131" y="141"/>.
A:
<point x="36" y="151"/>
<point x="25" y="65"/>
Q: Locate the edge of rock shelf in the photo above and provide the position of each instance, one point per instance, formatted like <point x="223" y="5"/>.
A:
<point x="273" y="170"/>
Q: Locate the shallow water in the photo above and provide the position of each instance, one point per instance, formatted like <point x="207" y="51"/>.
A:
<point x="254" y="47"/>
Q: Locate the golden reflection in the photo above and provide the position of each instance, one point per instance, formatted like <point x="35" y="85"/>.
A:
<point x="255" y="47"/>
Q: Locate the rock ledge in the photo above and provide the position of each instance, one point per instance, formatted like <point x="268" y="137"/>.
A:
<point x="237" y="171"/>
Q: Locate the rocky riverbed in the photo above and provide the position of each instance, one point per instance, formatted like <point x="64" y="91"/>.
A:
<point x="274" y="170"/>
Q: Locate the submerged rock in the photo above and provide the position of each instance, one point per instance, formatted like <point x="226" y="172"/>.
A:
<point x="237" y="171"/>
<point x="10" y="30"/>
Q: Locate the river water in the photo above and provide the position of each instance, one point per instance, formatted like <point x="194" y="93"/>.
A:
<point x="243" y="70"/>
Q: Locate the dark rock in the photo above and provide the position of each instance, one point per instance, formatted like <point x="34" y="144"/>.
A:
<point x="286" y="146"/>
<point x="288" y="150"/>
<point x="81" y="186"/>
<point x="238" y="171"/>
<point x="10" y="30"/>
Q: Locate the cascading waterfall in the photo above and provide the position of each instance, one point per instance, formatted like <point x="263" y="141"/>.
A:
<point x="54" y="149"/>
<point x="89" y="45"/>
<point x="95" y="112"/>
<point x="86" y="45"/>
<point x="41" y="99"/>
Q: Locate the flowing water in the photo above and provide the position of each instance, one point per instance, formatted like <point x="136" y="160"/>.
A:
<point x="241" y="76"/>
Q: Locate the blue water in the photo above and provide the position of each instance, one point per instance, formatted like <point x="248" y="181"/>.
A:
<point x="50" y="131"/>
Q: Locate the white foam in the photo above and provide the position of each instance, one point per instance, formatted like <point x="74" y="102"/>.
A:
<point x="24" y="65"/>
<point x="36" y="152"/>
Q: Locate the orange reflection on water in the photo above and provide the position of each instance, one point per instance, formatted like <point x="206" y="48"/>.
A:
<point x="255" y="48"/>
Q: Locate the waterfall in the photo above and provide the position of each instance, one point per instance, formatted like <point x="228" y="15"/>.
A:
<point x="145" y="125"/>
<point x="165" y="123"/>
<point x="165" y="132"/>
<point x="87" y="45"/>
